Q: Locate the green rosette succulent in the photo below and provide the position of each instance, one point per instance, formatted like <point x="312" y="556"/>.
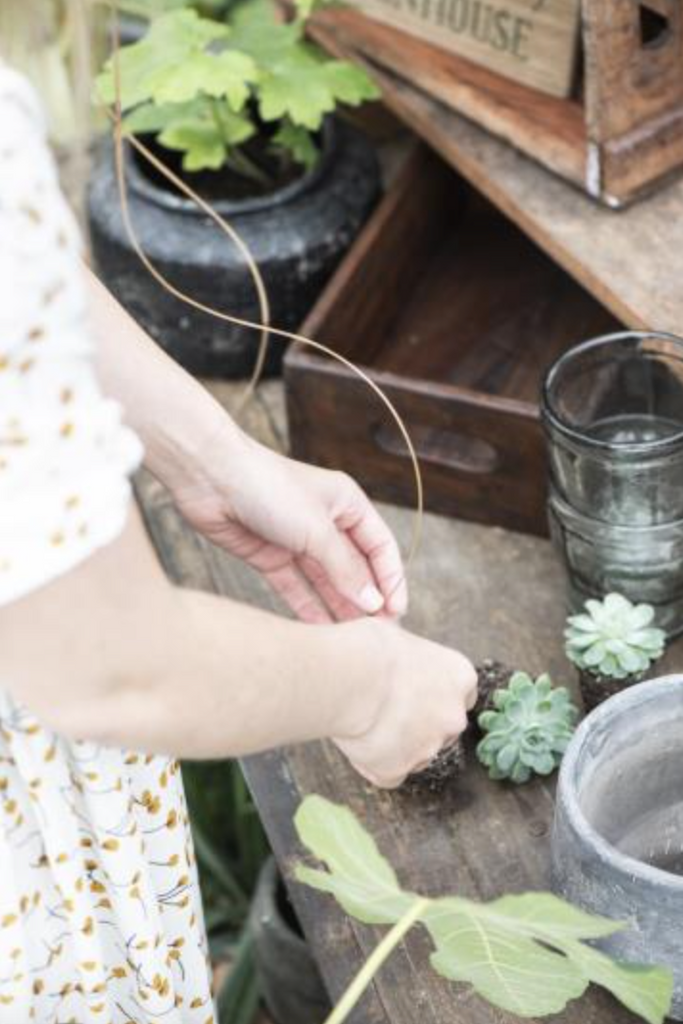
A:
<point x="528" y="729"/>
<point x="614" y="638"/>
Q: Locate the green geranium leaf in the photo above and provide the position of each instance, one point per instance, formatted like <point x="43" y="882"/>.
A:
<point x="200" y="141"/>
<point x="185" y="58"/>
<point x="150" y="118"/>
<point x="525" y="954"/>
<point x="349" y="84"/>
<point x="169" y="41"/>
<point x="201" y="129"/>
<point x="227" y="75"/>
<point x="303" y="88"/>
<point x="296" y="89"/>
<point x="304" y="8"/>
<point x="147" y="9"/>
<point x="299" y="142"/>
<point x="254" y="29"/>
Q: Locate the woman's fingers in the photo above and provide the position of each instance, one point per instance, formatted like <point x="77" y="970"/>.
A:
<point x="377" y="544"/>
<point x="348" y="571"/>
<point x="341" y="608"/>
<point x="291" y="585"/>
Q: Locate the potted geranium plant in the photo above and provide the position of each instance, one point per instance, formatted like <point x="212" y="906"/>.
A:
<point x="239" y="104"/>
<point x="613" y="643"/>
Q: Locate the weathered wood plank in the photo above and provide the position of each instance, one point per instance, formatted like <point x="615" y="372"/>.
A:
<point x="536" y="45"/>
<point x="552" y="130"/>
<point x="631" y="261"/>
<point x="619" y="138"/>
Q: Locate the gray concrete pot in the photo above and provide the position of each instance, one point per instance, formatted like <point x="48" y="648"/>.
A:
<point x="618" y="833"/>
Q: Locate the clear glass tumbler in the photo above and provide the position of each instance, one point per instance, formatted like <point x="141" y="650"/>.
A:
<point x="644" y="563"/>
<point x="613" y="413"/>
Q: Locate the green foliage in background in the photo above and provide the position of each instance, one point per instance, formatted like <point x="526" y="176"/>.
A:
<point x="206" y="79"/>
<point x="614" y="638"/>
<point x="231" y="847"/>
<point x="527" y="730"/>
<point x="526" y="954"/>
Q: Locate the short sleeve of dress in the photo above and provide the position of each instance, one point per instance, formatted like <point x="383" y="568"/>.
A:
<point x="65" y="456"/>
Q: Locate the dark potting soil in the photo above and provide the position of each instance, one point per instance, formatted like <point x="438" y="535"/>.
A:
<point x="447" y="764"/>
<point x="595" y="688"/>
<point x="226" y="183"/>
<point x="492" y="676"/>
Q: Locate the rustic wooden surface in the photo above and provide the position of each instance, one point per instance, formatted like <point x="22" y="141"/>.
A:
<point x="619" y="139"/>
<point x="631" y="261"/>
<point x="633" y="91"/>
<point x="550" y="128"/>
<point x="535" y="45"/>
<point x="491" y="593"/>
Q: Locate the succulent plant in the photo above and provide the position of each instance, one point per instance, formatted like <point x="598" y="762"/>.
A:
<point x="528" y="729"/>
<point x="614" y="638"/>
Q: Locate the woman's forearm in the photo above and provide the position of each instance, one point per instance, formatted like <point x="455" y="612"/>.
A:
<point x="226" y="680"/>
<point x="126" y="659"/>
<point x="174" y="416"/>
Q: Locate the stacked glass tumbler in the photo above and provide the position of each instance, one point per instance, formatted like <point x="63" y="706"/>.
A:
<point x="613" y="414"/>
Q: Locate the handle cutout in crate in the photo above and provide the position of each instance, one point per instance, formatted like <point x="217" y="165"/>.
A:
<point x="450" y="449"/>
<point x="655" y="26"/>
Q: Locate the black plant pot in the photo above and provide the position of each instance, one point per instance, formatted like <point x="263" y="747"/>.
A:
<point x="288" y="977"/>
<point x="297" y="235"/>
<point x="131" y="29"/>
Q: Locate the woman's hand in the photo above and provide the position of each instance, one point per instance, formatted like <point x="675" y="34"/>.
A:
<point x="409" y="711"/>
<point x="313" y="534"/>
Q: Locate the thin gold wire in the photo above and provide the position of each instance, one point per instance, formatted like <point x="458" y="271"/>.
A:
<point x="265" y="328"/>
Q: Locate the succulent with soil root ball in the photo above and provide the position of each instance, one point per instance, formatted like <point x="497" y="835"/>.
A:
<point x="449" y="762"/>
<point x="612" y="643"/>
<point x="527" y="730"/>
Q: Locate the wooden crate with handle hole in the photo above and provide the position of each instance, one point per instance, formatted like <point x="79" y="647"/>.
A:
<point x="618" y="135"/>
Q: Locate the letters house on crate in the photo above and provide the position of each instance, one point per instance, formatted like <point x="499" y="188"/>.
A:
<point x="606" y="114"/>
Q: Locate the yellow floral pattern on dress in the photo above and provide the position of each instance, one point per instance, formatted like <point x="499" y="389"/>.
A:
<point x="100" y="916"/>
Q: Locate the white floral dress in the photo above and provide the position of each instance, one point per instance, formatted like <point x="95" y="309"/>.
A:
<point x="100" y="916"/>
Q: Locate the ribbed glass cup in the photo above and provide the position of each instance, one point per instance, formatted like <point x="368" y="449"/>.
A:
<point x="613" y="414"/>
<point x="612" y="409"/>
<point x="644" y="563"/>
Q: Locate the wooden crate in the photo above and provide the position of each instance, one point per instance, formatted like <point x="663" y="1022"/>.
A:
<point x="534" y="43"/>
<point x="617" y="137"/>
<point x="455" y="314"/>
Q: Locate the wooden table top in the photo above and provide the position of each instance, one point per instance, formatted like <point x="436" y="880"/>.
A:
<point x="489" y="592"/>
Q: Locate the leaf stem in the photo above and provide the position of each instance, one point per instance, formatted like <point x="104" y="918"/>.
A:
<point x="371" y="966"/>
